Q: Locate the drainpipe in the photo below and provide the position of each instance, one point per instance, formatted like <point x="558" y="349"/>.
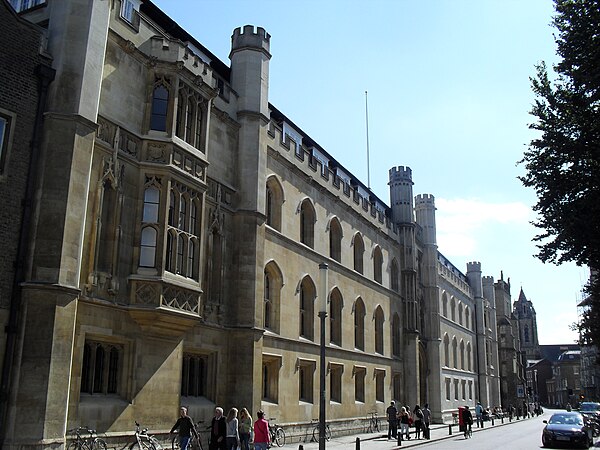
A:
<point x="45" y="76"/>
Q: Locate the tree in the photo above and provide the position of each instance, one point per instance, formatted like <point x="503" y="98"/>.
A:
<point x="563" y="163"/>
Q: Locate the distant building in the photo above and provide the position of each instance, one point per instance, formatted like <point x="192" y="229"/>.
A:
<point x="526" y="317"/>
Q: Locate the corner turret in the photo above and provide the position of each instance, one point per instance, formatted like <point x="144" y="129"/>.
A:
<point x="425" y="214"/>
<point x="401" y="194"/>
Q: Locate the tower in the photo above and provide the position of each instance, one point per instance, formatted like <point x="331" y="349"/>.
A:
<point x="525" y="314"/>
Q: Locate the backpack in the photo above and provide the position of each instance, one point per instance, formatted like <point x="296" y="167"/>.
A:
<point x="419" y="414"/>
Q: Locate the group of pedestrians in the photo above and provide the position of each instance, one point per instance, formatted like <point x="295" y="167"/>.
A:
<point x="419" y="418"/>
<point x="226" y="432"/>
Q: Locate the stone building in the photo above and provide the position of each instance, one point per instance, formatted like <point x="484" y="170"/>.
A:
<point x="178" y="223"/>
<point x="525" y="314"/>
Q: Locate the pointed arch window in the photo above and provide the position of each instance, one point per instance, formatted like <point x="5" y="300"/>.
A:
<point x="335" y="317"/>
<point x="446" y="351"/>
<point x="467" y="321"/>
<point x="453" y="309"/>
<point x="307" y="304"/>
<point x="454" y="353"/>
<point x="307" y="224"/>
<point x="359" y="324"/>
<point x="160" y="105"/>
<point x="444" y="305"/>
<point x="469" y="366"/>
<point x="460" y="313"/>
<point x="189" y="123"/>
<point x="377" y="265"/>
<point x="335" y="240"/>
<point x="396" y="335"/>
<point x="379" y="320"/>
<point x="394" y="276"/>
<point x="359" y="250"/>
<point x="462" y="355"/>
<point x="272" y="295"/>
<point x="273" y="203"/>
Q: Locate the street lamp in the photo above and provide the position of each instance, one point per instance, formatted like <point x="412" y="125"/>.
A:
<point x="322" y="314"/>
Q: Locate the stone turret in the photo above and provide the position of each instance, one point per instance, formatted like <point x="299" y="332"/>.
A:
<point x="250" y="68"/>
<point x="425" y="213"/>
<point x="401" y="194"/>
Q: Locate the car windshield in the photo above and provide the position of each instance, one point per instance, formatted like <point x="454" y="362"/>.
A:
<point x="589" y="406"/>
<point x="566" y="419"/>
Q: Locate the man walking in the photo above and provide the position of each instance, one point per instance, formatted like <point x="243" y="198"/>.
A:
<point x="479" y="415"/>
<point x="392" y="417"/>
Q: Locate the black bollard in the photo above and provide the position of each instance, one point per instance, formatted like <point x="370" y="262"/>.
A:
<point x="450" y="430"/>
<point x="399" y="439"/>
<point x="301" y="447"/>
<point x="357" y="443"/>
<point x="492" y="421"/>
<point x="502" y="419"/>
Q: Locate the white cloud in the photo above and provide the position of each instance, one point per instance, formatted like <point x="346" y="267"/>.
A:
<point x="461" y="223"/>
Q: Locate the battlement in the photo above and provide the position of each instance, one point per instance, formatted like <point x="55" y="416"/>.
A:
<point x="421" y="199"/>
<point x="474" y="266"/>
<point x="400" y="173"/>
<point x="487" y="280"/>
<point x="248" y="36"/>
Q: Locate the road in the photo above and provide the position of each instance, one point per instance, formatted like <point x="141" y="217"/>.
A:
<point x="516" y="435"/>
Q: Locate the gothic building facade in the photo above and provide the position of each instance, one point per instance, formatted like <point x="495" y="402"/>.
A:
<point x="178" y="223"/>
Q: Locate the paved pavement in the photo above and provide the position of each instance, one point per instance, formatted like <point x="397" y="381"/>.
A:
<point x="379" y="441"/>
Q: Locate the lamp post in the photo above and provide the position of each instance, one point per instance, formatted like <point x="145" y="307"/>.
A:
<point x="322" y="314"/>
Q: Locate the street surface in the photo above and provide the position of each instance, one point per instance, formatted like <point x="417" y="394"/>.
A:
<point x="524" y="434"/>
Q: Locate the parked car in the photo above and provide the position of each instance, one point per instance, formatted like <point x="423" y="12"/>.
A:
<point x="567" y="428"/>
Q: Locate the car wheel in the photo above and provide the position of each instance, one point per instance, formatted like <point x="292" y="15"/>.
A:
<point x="545" y="442"/>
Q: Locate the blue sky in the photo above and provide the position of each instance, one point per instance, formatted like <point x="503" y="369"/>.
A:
<point x="448" y="95"/>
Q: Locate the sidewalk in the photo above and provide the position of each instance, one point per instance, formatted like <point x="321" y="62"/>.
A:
<point x="379" y="441"/>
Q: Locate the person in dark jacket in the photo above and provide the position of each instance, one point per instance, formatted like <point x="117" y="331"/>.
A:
<point x="218" y="430"/>
<point x="185" y="426"/>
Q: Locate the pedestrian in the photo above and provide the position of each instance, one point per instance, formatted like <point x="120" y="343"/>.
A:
<point x="245" y="429"/>
<point x="186" y="428"/>
<point x="467" y="418"/>
<point x="232" y="437"/>
<point x="479" y="415"/>
<point x="262" y="438"/>
<point x="218" y="430"/>
<point x="426" y="421"/>
<point x="418" y="421"/>
<point x="404" y="425"/>
<point x="392" y="417"/>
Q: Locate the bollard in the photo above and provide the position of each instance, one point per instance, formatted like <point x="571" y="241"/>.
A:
<point x="502" y="419"/>
<point x="492" y="421"/>
<point x="399" y="440"/>
<point x="357" y="443"/>
<point x="301" y="447"/>
<point x="450" y="430"/>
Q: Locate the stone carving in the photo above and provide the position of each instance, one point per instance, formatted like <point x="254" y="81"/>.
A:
<point x="156" y="152"/>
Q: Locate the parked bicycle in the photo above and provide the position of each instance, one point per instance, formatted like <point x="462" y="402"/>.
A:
<point x="195" y="442"/>
<point x="276" y="433"/>
<point x="315" y="431"/>
<point x="92" y="442"/>
<point x="143" y="441"/>
<point x="374" y="424"/>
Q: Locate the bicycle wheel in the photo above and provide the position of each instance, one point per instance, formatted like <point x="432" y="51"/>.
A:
<point x="175" y="443"/>
<point x="98" y="444"/>
<point x="75" y="445"/>
<point x="279" y="437"/>
<point x="327" y="433"/>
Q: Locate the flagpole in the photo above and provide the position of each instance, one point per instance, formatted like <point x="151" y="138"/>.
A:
<point x="367" y="122"/>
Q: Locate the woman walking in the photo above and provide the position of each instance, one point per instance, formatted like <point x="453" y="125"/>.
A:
<point x="232" y="437"/>
<point x="245" y="429"/>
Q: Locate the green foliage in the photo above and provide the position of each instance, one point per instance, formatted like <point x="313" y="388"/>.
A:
<point x="563" y="164"/>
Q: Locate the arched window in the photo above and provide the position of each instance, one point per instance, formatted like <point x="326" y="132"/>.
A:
<point x="160" y="103"/>
<point x="526" y="333"/>
<point x="335" y="239"/>
<point x="453" y="309"/>
<point x="379" y="319"/>
<point x="273" y="203"/>
<point x="359" y="250"/>
<point x="467" y="321"/>
<point x="189" y="121"/>
<point x="462" y="355"/>
<point x="394" y="275"/>
<point x="469" y="356"/>
<point x="396" y="335"/>
<point x="454" y="353"/>
<point x="446" y="351"/>
<point x="377" y="264"/>
<point x="335" y="317"/>
<point x="273" y="283"/>
<point x="359" y="324"/>
<point x="307" y="305"/>
<point x="445" y="305"/>
<point x="183" y="238"/>
<point x="460" y="314"/>
<point x="307" y="224"/>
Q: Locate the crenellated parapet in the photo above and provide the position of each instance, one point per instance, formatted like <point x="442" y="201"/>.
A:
<point x="487" y="280"/>
<point x="250" y="37"/>
<point x="328" y="173"/>
<point x="425" y="200"/>
<point x="400" y="174"/>
<point x="474" y="266"/>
